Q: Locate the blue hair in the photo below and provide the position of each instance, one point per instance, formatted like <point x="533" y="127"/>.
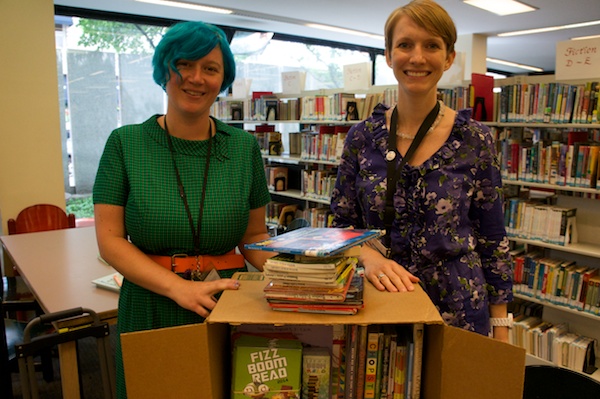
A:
<point x="190" y="41"/>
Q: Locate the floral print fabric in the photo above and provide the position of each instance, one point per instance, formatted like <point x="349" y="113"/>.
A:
<point x="449" y="225"/>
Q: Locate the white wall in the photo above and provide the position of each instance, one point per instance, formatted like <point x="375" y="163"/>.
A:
<point x="30" y="148"/>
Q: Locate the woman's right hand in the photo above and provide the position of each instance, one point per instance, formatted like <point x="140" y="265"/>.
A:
<point x="384" y="273"/>
<point x="199" y="296"/>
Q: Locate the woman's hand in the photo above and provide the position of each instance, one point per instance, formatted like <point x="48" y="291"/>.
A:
<point x="199" y="296"/>
<point x="386" y="274"/>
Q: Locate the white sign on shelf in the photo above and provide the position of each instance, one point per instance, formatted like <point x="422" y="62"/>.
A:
<point x="292" y="82"/>
<point x="578" y="59"/>
<point x="241" y="88"/>
<point x="455" y="75"/>
<point x="357" y="76"/>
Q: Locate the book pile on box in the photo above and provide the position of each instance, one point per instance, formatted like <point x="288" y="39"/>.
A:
<point x="315" y="270"/>
<point x="322" y="285"/>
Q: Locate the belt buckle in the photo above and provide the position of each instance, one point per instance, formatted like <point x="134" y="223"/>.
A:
<point x="174" y="260"/>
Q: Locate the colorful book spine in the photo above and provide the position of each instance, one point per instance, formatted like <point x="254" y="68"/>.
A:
<point x="371" y="364"/>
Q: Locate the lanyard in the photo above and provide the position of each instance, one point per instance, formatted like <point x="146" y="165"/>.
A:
<point x="392" y="177"/>
<point x="195" y="232"/>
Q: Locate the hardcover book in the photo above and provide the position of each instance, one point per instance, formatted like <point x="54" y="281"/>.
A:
<point x="316" y="241"/>
<point x="266" y="367"/>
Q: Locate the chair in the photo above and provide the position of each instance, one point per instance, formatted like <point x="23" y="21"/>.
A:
<point x="550" y="382"/>
<point x="41" y="217"/>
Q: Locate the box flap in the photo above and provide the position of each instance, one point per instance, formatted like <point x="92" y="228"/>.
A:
<point x="460" y="364"/>
<point x="177" y="359"/>
<point x="248" y="306"/>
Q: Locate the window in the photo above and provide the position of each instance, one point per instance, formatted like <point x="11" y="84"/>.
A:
<point x="261" y="59"/>
<point x="105" y="77"/>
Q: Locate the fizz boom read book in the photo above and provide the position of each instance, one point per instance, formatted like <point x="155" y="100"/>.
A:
<point x="316" y="241"/>
<point x="266" y="368"/>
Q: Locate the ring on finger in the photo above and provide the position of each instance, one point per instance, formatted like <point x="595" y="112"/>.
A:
<point x="381" y="275"/>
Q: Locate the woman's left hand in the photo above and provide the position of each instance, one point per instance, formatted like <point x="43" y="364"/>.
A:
<point x="386" y="274"/>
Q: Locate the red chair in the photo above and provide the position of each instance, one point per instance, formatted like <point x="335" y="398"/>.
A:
<point x="41" y="217"/>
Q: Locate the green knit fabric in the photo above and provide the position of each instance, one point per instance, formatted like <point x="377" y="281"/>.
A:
<point x="136" y="171"/>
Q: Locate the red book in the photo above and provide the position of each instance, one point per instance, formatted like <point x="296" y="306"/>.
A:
<point x="577" y="137"/>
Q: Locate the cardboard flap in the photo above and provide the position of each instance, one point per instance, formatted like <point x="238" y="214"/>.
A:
<point x="248" y="306"/>
<point x="177" y="359"/>
<point x="461" y="364"/>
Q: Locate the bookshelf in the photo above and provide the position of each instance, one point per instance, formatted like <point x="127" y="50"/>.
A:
<point x="528" y="122"/>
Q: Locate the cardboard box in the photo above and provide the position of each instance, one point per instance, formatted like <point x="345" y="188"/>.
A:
<point x="195" y="361"/>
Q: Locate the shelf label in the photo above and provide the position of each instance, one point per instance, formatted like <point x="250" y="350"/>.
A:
<point x="357" y="76"/>
<point x="578" y="59"/>
<point x="292" y="82"/>
<point x="241" y="88"/>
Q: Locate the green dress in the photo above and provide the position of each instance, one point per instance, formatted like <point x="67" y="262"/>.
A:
<point x="136" y="171"/>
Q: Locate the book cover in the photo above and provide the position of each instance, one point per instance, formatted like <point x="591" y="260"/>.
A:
<point x="316" y="241"/>
<point x="316" y="371"/>
<point x="111" y="282"/>
<point x="308" y="293"/>
<point x="288" y="262"/>
<point x="266" y="367"/>
<point x="307" y="280"/>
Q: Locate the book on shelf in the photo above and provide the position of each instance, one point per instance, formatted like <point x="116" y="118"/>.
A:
<point x="316" y="241"/>
<point x="338" y="361"/>
<point x="374" y="340"/>
<point x="316" y="373"/>
<point x="362" y="361"/>
<point x="266" y="365"/>
<point x="277" y="177"/>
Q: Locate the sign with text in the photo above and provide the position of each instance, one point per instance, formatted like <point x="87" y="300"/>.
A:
<point x="578" y="59"/>
<point x="241" y="88"/>
<point x="357" y="76"/>
<point x="292" y="82"/>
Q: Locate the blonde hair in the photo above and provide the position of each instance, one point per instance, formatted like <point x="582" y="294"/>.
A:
<point x="429" y="15"/>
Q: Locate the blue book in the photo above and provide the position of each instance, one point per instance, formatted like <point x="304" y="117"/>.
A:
<point x="316" y="241"/>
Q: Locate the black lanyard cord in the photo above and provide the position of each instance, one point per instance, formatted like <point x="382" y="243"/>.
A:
<point x="392" y="176"/>
<point x="195" y="232"/>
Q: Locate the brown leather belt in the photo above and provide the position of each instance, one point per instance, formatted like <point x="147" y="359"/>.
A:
<point x="182" y="263"/>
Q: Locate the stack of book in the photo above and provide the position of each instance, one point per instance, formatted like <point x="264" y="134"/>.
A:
<point x="315" y="270"/>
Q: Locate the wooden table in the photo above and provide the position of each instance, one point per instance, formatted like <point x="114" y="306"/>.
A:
<point x="59" y="266"/>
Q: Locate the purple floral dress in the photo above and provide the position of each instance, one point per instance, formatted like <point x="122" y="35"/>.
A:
<point x="449" y="225"/>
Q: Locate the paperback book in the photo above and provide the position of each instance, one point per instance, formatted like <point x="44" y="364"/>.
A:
<point x="326" y="278"/>
<point x="316" y="371"/>
<point x="273" y="290"/>
<point x="266" y="367"/>
<point x="350" y="305"/>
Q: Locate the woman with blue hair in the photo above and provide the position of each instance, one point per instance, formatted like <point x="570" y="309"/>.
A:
<point x="177" y="194"/>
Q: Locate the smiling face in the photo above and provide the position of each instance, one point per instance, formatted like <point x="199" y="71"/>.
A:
<point x="194" y="92"/>
<point x="417" y="57"/>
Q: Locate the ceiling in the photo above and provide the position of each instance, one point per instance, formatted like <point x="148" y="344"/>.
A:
<point x="287" y="16"/>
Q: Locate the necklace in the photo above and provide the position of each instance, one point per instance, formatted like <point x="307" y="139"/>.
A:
<point x="195" y="232"/>
<point x="436" y="122"/>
